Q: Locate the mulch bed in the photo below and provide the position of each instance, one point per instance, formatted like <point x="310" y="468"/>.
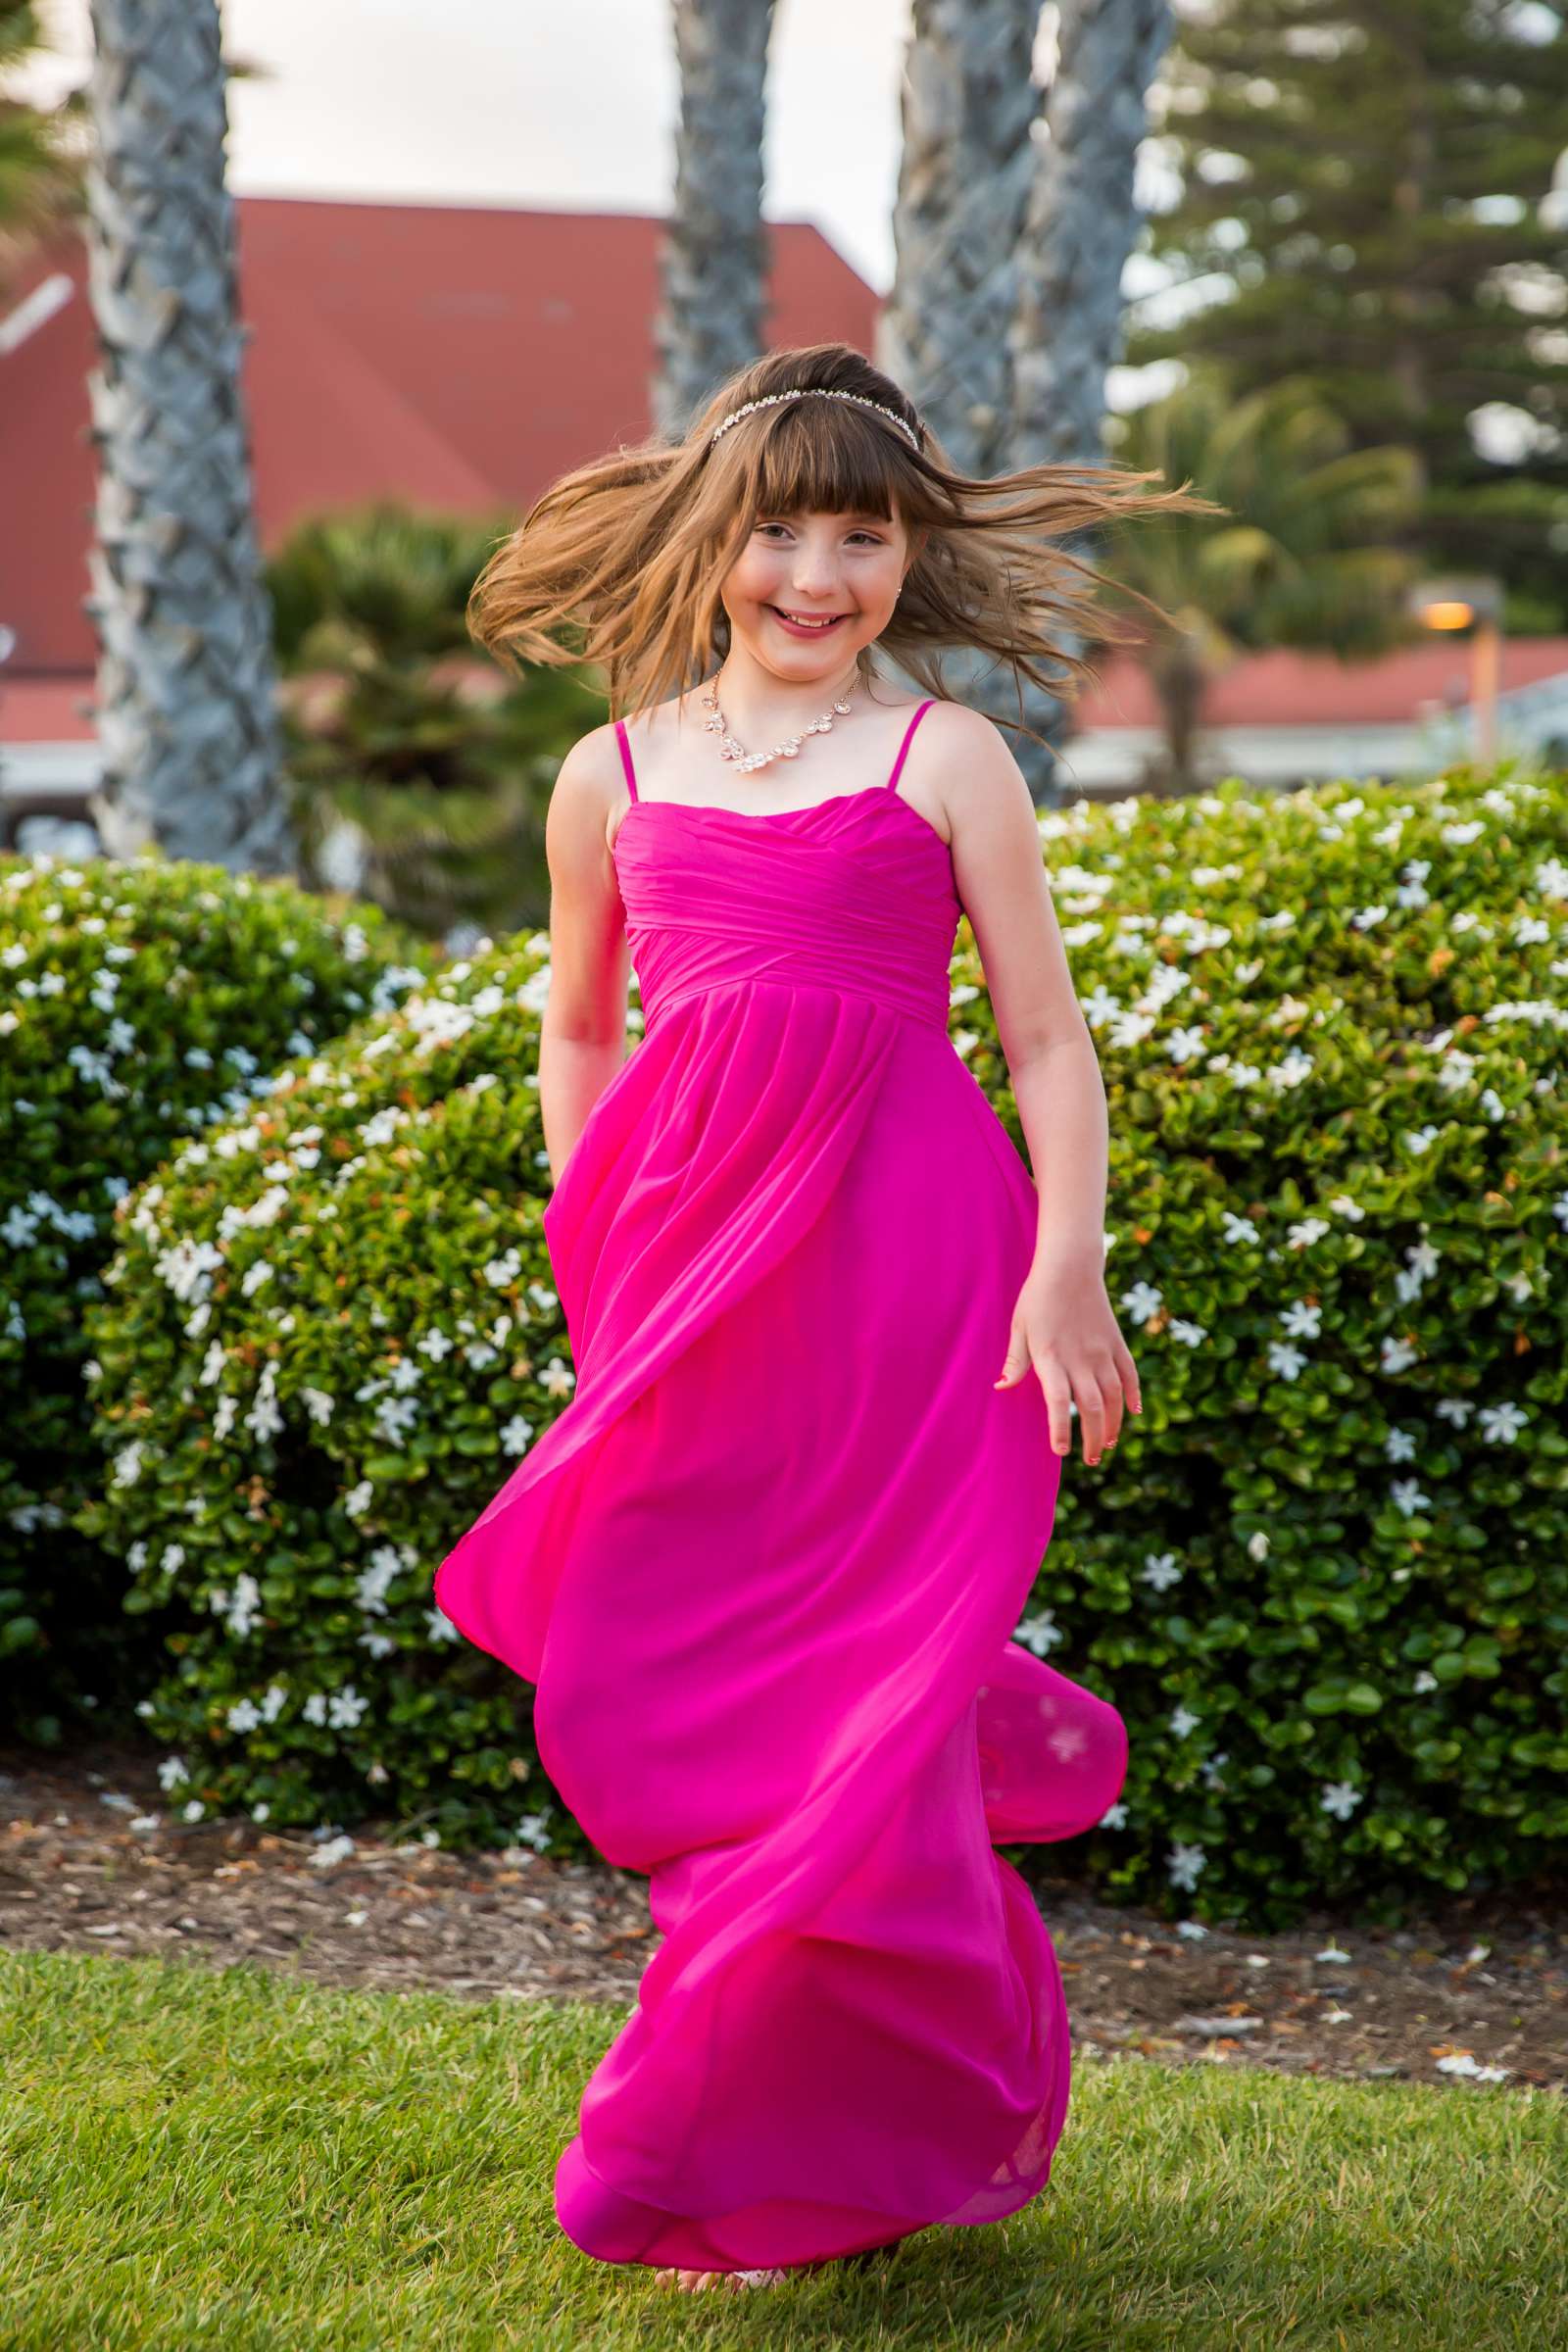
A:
<point x="92" y="1859"/>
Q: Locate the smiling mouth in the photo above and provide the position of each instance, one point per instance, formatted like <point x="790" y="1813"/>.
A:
<point x="817" y="624"/>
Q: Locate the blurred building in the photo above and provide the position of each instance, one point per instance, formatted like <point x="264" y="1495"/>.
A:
<point x="458" y="356"/>
<point x="463" y="357"/>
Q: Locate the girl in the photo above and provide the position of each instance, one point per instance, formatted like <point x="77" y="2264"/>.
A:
<point x="828" y="1334"/>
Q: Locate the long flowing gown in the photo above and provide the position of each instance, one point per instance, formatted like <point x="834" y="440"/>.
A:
<point x="765" y="1566"/>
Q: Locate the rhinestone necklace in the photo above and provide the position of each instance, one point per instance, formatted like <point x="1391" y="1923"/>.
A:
<point x="730" y="749"/>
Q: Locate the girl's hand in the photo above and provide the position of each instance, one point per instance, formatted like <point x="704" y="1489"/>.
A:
<point x="1063" y="1328"/>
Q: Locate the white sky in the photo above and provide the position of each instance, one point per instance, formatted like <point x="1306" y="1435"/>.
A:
<point x="567" y="102"/>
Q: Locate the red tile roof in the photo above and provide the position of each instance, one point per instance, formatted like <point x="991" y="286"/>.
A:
<point x="458" y="355"/>
<point x="1284" y="689"/>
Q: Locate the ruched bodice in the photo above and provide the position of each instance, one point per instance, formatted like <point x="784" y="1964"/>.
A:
<point x="854" y="893"/>
<point x="765" y="1568"/>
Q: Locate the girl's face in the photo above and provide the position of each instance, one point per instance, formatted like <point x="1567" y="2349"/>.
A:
<point x="809" y="590"/>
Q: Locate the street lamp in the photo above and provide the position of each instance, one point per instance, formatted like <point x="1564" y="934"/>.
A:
<point x="1465" y="604"/>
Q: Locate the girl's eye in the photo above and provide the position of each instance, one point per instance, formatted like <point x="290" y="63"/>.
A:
<point x="854" y="534"/>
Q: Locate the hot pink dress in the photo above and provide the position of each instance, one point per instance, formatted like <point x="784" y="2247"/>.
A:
<point x="765" y="1567"/>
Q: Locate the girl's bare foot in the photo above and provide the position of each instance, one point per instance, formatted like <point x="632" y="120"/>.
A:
<point x="696" y="2282"/>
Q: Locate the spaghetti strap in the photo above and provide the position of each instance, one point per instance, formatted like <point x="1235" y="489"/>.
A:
<point x="897" y="764"/>
<point x="625" y="758"/>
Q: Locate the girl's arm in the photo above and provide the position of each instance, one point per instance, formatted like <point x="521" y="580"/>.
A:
<point x="1062" y="1325"/>
<point x="582" y="1034"/>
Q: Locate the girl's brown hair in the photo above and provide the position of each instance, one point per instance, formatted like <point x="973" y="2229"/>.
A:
<point x="620" y="563"/>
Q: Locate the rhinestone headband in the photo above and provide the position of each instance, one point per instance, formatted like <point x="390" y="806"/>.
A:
<point x="822" y="392"/>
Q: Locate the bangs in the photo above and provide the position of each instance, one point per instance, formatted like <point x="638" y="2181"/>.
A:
<point x="819" y="457"/>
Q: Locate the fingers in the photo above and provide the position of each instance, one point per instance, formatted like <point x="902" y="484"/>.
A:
<point x="1127" y="1373"/>
<point x="1097" y="1388"/>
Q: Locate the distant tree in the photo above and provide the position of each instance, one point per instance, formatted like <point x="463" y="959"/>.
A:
<point x="1305" y="555"/>
<point x="1373" y="197"/>
<point x="187" y="714"/>
<point x="421" y="772"/>
<point x="41" y="151"/>
<point x="715" y="253"/>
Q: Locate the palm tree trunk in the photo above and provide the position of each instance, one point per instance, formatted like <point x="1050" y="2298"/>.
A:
<point x="187" y="717"/>
<point x="714" y="260"/>
<point x="1177" y="674"/>
<point x="964" y="183"/>
<point x="1079" y="229"/>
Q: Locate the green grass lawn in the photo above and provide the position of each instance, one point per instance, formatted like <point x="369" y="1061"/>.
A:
<point x="192" y="2157"/>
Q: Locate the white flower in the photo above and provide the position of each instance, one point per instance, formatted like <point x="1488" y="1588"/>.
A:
<point x="1340" y="1798"/>
<point x="1185" y="1864"/>
<point x="1238" y="1228"/>
<point x="1142" y="1301"/>
<point x="1114" y="1817"/>
<point x="502" y="1271"/>
<point x="265" y="1417"/>
<point x="1191" y="1335"/>
<point x="1396" y="1354"/>
<point x="314" y="1708"/>
<point x="1302" y="1319"/>
<point x="332" y="1850"/>
<point x="1183" y="1044"/>
<point x="172" y="1771"/>
<point x="1343" y="1205"/>
<point x="1159" y="1569"/>
<point x="441" y="1627"/>
<point x="1308" y="1230"/>
<point x="345" y="1708"/>
<point x="1293" y="1070"/>
<point x="274" y="1700"/>
<point x="1406" y="1495"/>
<point x="516" y="1434"/>
<point x="1462" y="2062"/>
<point x="1258" y="1545"/>
<point x="375" y="1579"/>
<point x="1367" y="917"/>
<point x="357" y="1501"/>
<point x="1399" y="1446"/>
<point x="254" y="1276"/>
<point x="435" y="1345"/>
<point x="1425" y="1681"/>
<point x="1421" y="1139"/>
<point x="194" y="1810"/>
<point x="128" y="1464"/>
<point x="319" y="1405"/>
<point x="1455" y="1409"/>
<point x="244" y="1715"/>
<point x="1500" y="1424"/>
<point x="1184" y="1721"/>
<point x="1039" y="1633"/>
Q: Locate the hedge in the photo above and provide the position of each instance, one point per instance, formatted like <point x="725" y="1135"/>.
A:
<point x="139" y="1000"/>
<point x="1325" y="1577"/>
